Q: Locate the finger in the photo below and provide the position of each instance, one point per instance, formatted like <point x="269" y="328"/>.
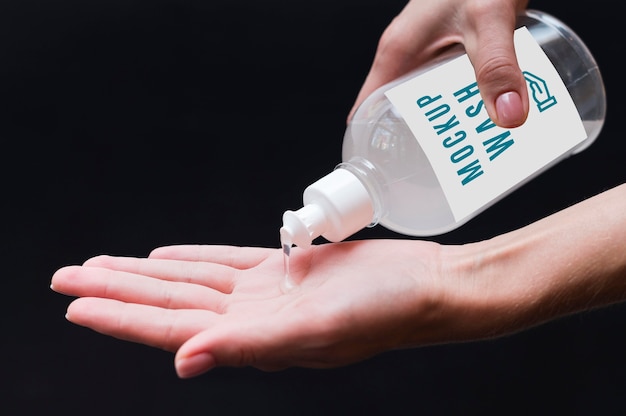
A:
<point x="213" y="275"/>
<point x="490" y="47"/>
<point x="232" y="256"/>
<point x="269" y="343"/>
<point x="135" y="288"/>
<point x="232" y="345"/>
<point x="149" y="325"/>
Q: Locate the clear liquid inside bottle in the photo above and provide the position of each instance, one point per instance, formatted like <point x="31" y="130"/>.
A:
<point x="414" y="202"/>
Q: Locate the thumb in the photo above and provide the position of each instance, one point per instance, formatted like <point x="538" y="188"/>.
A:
<point x="203" y="351"/>
<point x="491" y="50"/>
<point x="233" y="345"/>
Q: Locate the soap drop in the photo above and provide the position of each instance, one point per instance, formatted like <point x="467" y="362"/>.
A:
<point x="285" y="240"/>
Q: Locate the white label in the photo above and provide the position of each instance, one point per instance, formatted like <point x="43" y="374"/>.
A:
<point x="475" y="160"/>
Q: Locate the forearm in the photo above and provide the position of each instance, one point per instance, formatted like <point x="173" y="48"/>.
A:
<point x="571" y="261"/>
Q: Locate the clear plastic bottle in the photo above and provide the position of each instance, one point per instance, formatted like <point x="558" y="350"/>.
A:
<point x="386" y="177"/>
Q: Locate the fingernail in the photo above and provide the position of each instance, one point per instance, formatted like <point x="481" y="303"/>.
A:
<point x="194" y="365"/>
<point x="510" y="109"/>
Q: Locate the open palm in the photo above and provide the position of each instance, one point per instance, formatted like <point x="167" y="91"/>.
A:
<point x="348" y="300"/>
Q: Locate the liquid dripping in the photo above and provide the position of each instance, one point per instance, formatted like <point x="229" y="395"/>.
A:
<point x="286" y="243"/>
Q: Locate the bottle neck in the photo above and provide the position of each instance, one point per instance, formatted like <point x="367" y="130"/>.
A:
<point x="373" y="181"/>
<point x="335" y="207"/>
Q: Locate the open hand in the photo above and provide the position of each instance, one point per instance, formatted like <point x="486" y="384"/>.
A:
<point x="220" y="305"/>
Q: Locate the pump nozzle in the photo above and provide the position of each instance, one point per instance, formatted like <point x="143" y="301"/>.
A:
<point x="303" y="226"/>
<point x="335" y="207"/>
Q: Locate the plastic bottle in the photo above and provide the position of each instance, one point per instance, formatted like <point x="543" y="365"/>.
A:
<point x="386" y="176"/>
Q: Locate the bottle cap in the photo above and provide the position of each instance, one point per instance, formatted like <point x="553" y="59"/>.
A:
<point x="335" y="207"/>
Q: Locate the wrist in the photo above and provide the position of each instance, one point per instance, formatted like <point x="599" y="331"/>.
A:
<point x="487" y="291"/>
<point x="570" y="261"/>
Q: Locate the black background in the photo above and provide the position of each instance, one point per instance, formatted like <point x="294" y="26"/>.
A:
<point x="127" y="125"/>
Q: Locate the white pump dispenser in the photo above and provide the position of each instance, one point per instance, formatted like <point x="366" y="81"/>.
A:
<point x="409" y="162"/>
<point x="336" y="206"/>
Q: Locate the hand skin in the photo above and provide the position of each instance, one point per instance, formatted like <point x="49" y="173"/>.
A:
<point x="426" y="28"/>
<point x="228" y="306"/>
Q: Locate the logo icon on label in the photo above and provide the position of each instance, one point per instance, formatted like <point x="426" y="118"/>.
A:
<point x="540" y="93"/>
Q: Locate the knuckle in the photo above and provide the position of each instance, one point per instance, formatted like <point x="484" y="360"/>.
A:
<point x="499" y="71"/>
<point x="478" y="8"/>
<point x="394" y="45"/>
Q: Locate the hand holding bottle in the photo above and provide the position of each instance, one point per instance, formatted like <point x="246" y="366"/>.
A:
<point x="425" y="28"/>
<point x="421" y="155"/>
